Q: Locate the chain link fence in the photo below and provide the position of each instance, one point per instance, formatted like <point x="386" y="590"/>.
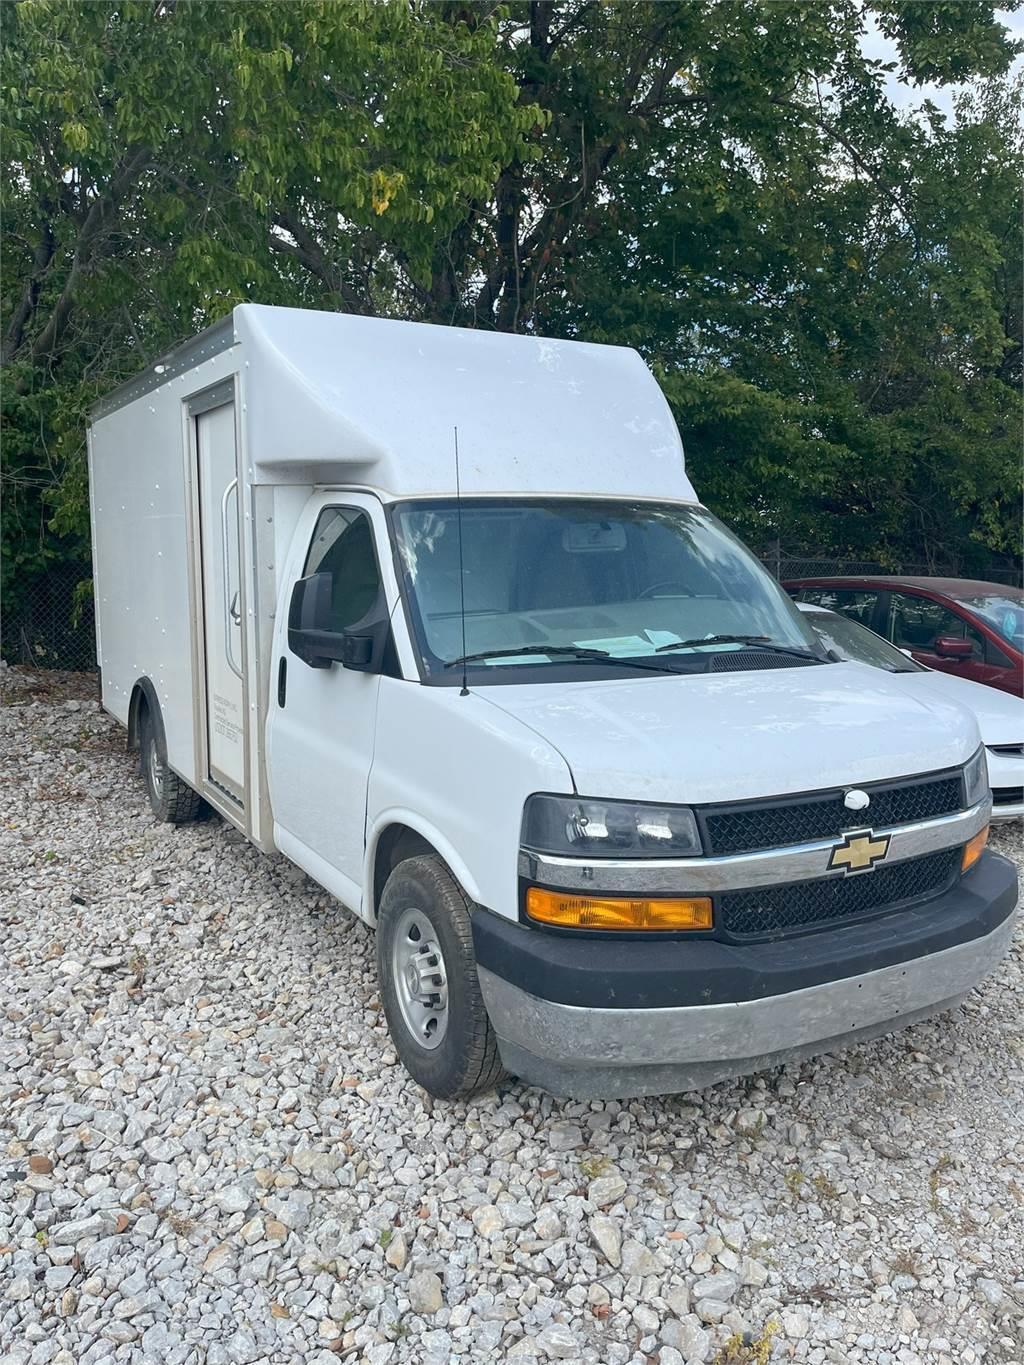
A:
<point x="47" y="621"/>
<point x="785" y="564"/>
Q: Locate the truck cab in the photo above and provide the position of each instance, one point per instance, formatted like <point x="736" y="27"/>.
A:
<point x="458" y="638"/>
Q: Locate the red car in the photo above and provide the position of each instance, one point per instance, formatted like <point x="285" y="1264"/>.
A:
<point x="957" y="625"/>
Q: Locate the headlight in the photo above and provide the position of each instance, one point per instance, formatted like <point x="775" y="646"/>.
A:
<point x="580" y="827"/>
<point x="976" y="786"/>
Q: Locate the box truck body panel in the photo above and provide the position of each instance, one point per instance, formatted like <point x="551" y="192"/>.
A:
<point x="183" y="570"/>
<point x="349" y="400"/>
<point x="437" y="615"/>
<point x="145" y="557"/>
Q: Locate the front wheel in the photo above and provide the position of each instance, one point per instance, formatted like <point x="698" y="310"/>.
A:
<point x="429" y="985"/>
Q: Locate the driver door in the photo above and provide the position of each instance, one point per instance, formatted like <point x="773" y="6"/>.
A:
<point x="320" y="730"/>
<point x="915" y="623"/>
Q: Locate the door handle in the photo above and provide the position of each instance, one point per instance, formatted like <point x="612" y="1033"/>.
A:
<point x="233" y="611"/>
<point x="282" y="681"/>
<point x="229" y="608"/>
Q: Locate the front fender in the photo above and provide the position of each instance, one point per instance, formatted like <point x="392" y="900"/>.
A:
<point x="401" y="815"/>
<point x="457" y="770"/>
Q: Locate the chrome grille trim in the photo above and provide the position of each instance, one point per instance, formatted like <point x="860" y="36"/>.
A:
<point x="740" y="871"/>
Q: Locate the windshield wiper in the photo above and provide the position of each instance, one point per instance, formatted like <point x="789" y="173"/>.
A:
<point x="761" y="641"/>
<point x="578" y="652"/>
<point x="575" y="651"/>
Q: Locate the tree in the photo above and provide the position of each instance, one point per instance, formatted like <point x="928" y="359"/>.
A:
<point x="170" y="158"/>
<point x="831" y="297"/>
<point x="828" y="291"/>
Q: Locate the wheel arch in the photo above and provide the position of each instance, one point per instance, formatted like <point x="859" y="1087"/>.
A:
<point x="144" y="701"/>
<point x="398" y="835"/>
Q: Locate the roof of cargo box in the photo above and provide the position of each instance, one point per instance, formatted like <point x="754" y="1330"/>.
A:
<point x="337" y="398"/>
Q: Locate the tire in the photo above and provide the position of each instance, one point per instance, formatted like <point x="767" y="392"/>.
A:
<point x="171" y="799"/>
<point x="456" y="1055"/>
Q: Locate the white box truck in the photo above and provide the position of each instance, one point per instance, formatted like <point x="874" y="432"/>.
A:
<point x="620" y="822"/>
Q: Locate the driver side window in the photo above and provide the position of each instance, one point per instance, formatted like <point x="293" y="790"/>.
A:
<point x="342" y="546"/>
<point x="916" y="623"/>
<point x="856" y="603"/>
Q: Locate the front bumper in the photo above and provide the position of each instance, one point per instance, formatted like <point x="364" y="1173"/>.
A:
<point x="1006" y="777"/>
<point x="599" y="1018"/>
<point x="1007" y="804"/>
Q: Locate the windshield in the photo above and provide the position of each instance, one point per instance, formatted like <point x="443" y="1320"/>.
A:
<point x="855" y="643"/>
<point x="641" y="583"/>
<point x="1004" y="614"/>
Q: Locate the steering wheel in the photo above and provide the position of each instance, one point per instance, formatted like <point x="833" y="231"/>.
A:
<point x="653" y="588"/>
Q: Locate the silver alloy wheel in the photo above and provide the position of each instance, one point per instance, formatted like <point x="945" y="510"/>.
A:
<point x="420" y="979"/>
<point x="156" y="769"/>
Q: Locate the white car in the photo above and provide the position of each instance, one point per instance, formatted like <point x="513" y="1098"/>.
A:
<point x="1000" y="716"/>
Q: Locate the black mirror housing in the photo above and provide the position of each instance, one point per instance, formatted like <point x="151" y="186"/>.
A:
<point x="310" y="605"/>
<point x="356" y="650"/>
<point x="309" y="615"/>
<point x="310" y="637"/>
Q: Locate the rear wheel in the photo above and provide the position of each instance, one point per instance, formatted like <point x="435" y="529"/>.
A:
<point x="171" y="799"/>
<point x="429" y="985"/>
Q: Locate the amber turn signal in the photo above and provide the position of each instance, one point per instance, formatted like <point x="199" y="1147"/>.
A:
<point x="974" y="850"/>
<point x="614" y="912"/>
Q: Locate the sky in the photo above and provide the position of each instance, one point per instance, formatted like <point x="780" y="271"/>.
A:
<point x="904" y="96"/>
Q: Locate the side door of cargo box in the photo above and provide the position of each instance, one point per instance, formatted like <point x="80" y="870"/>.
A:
<point x="219" y="587"/>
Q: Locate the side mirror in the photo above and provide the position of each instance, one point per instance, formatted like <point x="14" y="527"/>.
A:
<point x="312" y="639"/>
<point x="309" y="616"/>
<point x="953" y="647"/>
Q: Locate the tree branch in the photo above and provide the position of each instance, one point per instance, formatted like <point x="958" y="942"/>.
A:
<point x="859" y="161"/>
<point x="27" y="304"/>
<point x="101" y="213"/>
<point x="511" y="283"/>
<point x="309" y="253"/>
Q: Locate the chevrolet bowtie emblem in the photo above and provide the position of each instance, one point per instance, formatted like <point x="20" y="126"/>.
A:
<point x="859" y="851"/>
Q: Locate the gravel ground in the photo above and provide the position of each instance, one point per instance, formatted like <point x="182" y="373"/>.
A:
<point x="208" y="1151"/>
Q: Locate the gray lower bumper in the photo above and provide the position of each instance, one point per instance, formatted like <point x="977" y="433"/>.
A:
<point x="615" y="1053"/>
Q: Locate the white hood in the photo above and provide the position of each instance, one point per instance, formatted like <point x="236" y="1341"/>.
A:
<point x="736" y="736"/>
<point x="1000" y="717"/>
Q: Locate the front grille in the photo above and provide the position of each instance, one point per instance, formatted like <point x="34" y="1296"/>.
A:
<point x="774" y="910"/>
<point x="1007" y="796"/>
<point x="751" y="825"/>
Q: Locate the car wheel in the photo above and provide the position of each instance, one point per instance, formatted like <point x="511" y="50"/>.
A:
<point x="429" y="984"/>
